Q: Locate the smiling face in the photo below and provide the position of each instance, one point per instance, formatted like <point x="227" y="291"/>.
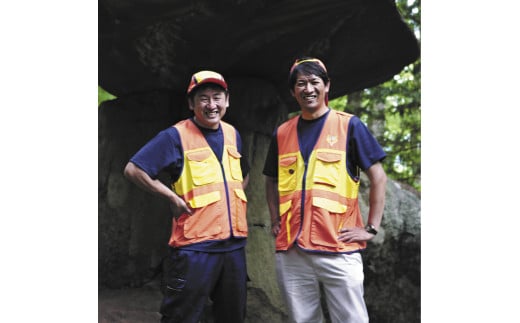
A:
<point x="209" y="104"/>
<point x="310" y="92"/>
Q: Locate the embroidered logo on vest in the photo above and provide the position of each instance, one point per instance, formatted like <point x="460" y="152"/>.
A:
<point x="332" y="139"/>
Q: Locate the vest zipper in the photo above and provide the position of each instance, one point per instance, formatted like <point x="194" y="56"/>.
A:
<point x="231" y="234"/>
<point x="302" y="207"/>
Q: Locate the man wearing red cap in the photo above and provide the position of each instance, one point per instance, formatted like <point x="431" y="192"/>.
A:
<point x="312" y="181"/>
<point x="202" y="155"/>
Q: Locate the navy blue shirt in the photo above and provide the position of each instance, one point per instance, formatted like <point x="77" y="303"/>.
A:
<point x="164" y="153"/>
<point x="363" y="149"/>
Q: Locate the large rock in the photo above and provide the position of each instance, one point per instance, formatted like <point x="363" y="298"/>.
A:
<point x="392" y="260"/>
<point x="146" y="45"/>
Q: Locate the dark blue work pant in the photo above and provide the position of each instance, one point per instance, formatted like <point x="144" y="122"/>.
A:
<point x="192" y="277"/>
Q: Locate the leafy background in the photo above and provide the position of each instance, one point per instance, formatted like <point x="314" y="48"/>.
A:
<point x="392" y="111"/>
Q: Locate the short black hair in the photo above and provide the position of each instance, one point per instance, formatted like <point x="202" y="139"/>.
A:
<point x="307" y="68"/>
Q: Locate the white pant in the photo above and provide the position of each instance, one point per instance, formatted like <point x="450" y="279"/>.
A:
<point x="299" y="274"/>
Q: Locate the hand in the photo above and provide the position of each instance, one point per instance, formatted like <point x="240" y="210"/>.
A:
<point x="275" y="228"/>
<point x="178" y="207"/>
<point x="354" y="235"/>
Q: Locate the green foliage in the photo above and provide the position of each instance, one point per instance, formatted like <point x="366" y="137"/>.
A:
<point x="104" y="95"/>
<point x="398" y="103"/>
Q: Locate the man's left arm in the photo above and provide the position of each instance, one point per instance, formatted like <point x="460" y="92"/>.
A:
<point x="377" y="177"/>
<point x="244" y="162"/>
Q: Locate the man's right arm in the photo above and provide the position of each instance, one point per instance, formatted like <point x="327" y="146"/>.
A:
<point x="156" y="187"/>
<point x="271" y="184"/>
<point x="271" y="194"/>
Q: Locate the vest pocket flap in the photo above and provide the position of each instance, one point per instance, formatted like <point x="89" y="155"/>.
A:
<point x="241" y="194"/>
<point x="233" y="152"/>
<point x="199" y="156"/>
<point x="284" y="207"/>
<point x="328" y="157"/>
<point x="287" y="161"/>
<point x="329" y="205"/>
<point x="204" y="199"/>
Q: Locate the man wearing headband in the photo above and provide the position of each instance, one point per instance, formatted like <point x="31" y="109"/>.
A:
<point x="312" y="180"/>
<point x="202" y="156"/>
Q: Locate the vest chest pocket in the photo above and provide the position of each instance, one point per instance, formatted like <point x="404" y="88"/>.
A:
<point x="287" y="169"/>
<point x="327" y="168"/>
<point x="203" y="168"/>
<point x="234" y="163"/>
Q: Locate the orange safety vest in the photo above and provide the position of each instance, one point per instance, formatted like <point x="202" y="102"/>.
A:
<point x="323" y="189"/>
<point x="213" y="190"/>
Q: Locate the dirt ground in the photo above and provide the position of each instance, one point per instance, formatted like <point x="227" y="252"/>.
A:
<point x="141" y="305"/>
<point x="132" y="305"/>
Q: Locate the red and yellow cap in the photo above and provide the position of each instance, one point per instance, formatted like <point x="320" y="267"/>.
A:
<point x="206" y="77"/>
